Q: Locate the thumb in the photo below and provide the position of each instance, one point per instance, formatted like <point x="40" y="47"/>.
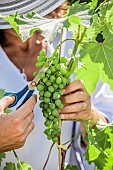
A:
<point x="6" y="101"/>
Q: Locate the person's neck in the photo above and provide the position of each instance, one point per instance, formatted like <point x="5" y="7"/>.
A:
<point x="23" y="52"/>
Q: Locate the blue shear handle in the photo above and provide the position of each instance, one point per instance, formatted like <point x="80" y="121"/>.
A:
<point x="12" y="94"/>
<point x="18" y="95"/>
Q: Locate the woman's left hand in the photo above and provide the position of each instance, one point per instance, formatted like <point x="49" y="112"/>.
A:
<point x="76" y="100"/>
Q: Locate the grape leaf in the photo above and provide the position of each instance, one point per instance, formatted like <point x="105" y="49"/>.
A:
<point x="69" y="167"/>
<point x="101" y="53"/>
<point x="24" y="166"/>
<point x="2" y="156"/>
<point x="10" y="166"/>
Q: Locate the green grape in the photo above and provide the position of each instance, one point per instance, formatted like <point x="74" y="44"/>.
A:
<point x="45" y="79"/>
<point x="52" y="68"/>
<point x="55" y="113"/>
<point x="42" y="53"/>
<point x="39" y="64"/>
<point x="55" y="139"/>
<point x="47" y="122"/>
<point x="55" y="95"/>
<point x="68" y="80"/>
<point x="55" y="125"/>
<point x="45" y="115"/>
<point x="41" y="93"/>
<point x="55" y="86"/>
<point x="47" y="94"/>
<point x="63" y="71"/>
<point x="55" y="54"/>
<point x="56" y="60"/>
<point x="42" y="75"/>
<point x="61" y="106"/>
<point x="58" y="80"/>
<point x="46" y="100"/>
<point x="57" y="67"/>
<point x="41" y="58"/>
<point x="45" y="106"/>
<point x="58" y="102"/>
<point x="54" y="134"/>
<point x="52" y="106"/>
<point x="50" y="117"/>
<point x="41" y="98"/>
<point x="48" y="110"/>
<point x="35" y="73"/>
<point x="48" y="71"/>
<point x="58" y="130"/>
<point x="49" y="133"/>
<point x="48" y="83"/>
<point x="41" y="104"/>
<point x="46" y="131"/>
<point x="67" y="75"/>
<point x="49" y="137"/>
<point x="40" y="87"/>
<point x="64" y="81"/>
<point x="61" y="86"/>
<point x="51" y="89"/>
<point x="63" y="60"/>
<point x="55" y="120"/>
<point x="52" y="79"/>
<point x="60" y="92"/>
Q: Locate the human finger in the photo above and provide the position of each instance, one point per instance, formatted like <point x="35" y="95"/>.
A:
<point x="77" y="96"/>
<point x="27" y="107"/>
<point x="76" y="107"/>
<point x="26" y="122"/>
<point x="74" y="86"/>
<point x="6" y="101"/>
<point x="75" y="116"/>
<point x="27" y="132"/>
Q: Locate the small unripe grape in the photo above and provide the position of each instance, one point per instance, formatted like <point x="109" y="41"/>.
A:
<point x="55" y="139"/>
<point x="50" y="117"/>
<point x="60" y="92"/>
<point x="63" y="60"/>
<point x="45" y="106"/>
<point x="41" y="93"/>
<point x="61" y="106"/>
<point x="40" y="87"/>
<point x="51" y="89"/>
<point x="39" y="64"/>
<point x="52" y="106"/>
<point x="55" y="61"/>
<point x="47" y="122"/>
<point x="57" y="67"/>
<point x="52" y="68"/>
<point x="55" y="125"/>
<point x="35" y="73"/>
<point x="41" y="104"/>
<point x="61" y="86"/>
<point x="67" y="75"/>
<point x="55" y="113"/>
<point x="48" y="71"/>
<point x="42" y="75"/>
<point x="57" y="102"/>
<point x="55" y="95"/>
<point x="55" y="86"/>
<point x="48" y="83"/>
<point x="52" y="79"/>
<point x="58" y="130"/>
<point x="46" y="100"/>
<point x="47" y="94"/>
<point x="48" y="110"/>
<point x="55" y="120"/>
<point x="45" y="79"/>
<point x="45" y="115"/>
<point x="42" y="53"/>
<point x="63" y="71"/>
<point x="58" y="80"/>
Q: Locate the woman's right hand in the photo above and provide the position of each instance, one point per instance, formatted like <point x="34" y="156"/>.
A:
<point x="16" y="126"/>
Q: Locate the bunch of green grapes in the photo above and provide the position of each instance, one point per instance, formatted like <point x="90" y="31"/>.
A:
<point x="50" y="88"/>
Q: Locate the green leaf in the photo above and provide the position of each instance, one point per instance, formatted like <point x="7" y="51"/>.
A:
<point x="24" y="166"/>
<point x="101" y="53"/>
<point x="10" y="166"/>
<point x="89" y="73"/>
<point x="69" y="167"/>
<point x="2" y="156"/>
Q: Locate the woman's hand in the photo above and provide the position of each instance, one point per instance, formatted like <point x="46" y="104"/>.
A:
<point x="77" y="104"/>
<point x="16" y="126"/>
<point x="76" y="101"/>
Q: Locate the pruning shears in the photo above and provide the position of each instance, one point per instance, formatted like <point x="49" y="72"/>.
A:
<point x="28" y="88"/>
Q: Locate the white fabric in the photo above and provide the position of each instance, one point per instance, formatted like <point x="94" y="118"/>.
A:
<point x="37" y="146"/>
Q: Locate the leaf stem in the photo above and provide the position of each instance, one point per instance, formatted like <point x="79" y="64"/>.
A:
<point x="60" y="44"/>
<point x="48" y="156"/>
<point x="59" y="148"/>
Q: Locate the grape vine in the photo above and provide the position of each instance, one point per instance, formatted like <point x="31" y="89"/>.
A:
<point x="91" y="25"/>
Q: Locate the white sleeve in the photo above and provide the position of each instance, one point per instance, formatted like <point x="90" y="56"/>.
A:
<point x="102" y="99"/>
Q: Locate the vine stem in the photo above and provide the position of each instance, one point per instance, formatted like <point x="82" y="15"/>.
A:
<point x="48" y="156"/>
<point x="60" y="44"/>
<point x="59" y="148"/>
<point x="18" y="160"/>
